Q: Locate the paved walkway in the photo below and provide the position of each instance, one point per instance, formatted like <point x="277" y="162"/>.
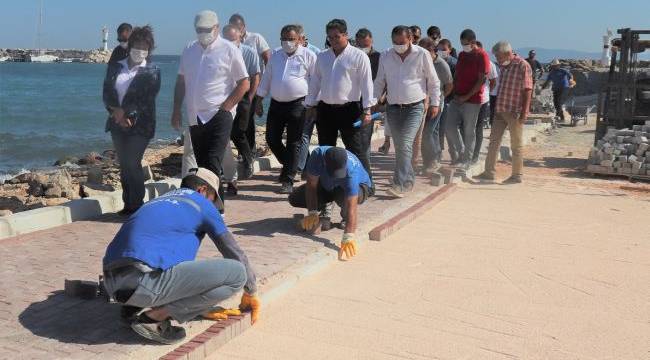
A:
<point x="38" y="321"/>
<point x="534" y="271"/>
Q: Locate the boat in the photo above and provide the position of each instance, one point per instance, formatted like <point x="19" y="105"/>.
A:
<point x="42" y="58"/>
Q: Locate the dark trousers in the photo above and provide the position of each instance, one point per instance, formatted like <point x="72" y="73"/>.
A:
<point x="238" y="134"/>
<point x="483" y="116"/>
<point x="558" y="101"/>
<point x="290" y="116"/>
<point x="307" y="131"/>
<point x="298" y="198"/>
<point x="250" y="131"/>
<point x="493" y="106"/>
<point x="441" y="127"/>
<point x="333" y="119"/>
<point x="209" y="141"/>
<point x="130" y="150"/>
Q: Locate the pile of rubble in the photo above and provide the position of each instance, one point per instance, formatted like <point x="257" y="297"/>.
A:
<point x="625" y="151"/>
<point x="97" y="56"/>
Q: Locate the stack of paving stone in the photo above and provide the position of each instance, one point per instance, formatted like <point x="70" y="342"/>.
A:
<point x="625" y="151"/>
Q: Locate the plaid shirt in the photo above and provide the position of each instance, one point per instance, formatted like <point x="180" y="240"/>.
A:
<point x="514" y="78"/>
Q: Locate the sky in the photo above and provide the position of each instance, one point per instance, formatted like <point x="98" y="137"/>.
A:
<point x="567" y="24"/>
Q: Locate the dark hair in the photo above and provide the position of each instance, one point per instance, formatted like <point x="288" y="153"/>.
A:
<point x="227" y="27"/>
<point x="400" y="29"/>
<point x="445" y="42"/>
<point x="337" y="24"/>
<point x="194" y="182"/>
<point x="479" y="44"/>
<point x="142" y="34"/>
<point x="433" y="30"/>
<point x="427" y="43"/>
<point x="124" y="27"/>
<point x="288" y="28"/>
<point x="236" y="18"/>
<point x="468" y="34"/>
<point x="414" y="29"/>
<point x="363" y="33"/>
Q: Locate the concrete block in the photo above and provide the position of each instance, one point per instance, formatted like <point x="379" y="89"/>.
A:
<point x="5" y="229"/>
<point x="95" y="175"/>
<point x="80" y="288"/>
<point x="268" y="163"/>
<point x="148" y="173"/>
<point x="437" y="179"/>
<point x="83" y="209"/>
<point x="106" y="203"/>
<point x="38" y="219"/>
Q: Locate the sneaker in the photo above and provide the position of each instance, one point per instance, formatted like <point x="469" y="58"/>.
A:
<point x="514" y="179"/>
<point x="484" y="177"/>
<point x="126" y="212"/>
<point x="248" y="172"/>
<point x="428" y="170"/>
<point x="232" y="188"/>
<point x="286" y="188"/>
<point x="384" y="149"/>
<point x="395" y="191"/>
<point x="162" y="332"/>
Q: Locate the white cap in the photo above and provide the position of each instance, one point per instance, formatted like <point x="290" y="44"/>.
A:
<point x="555" y="62"/>
<point x="212" y="179"/>
<point x="206" y="19"/>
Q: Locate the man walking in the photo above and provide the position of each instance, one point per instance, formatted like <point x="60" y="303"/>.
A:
<point x="471" y="72"/>
<point x="340" y="94"/>
<point x="286" y="79"/>
<point x="512" y="106"/>
<point x="407" y="75"/>
<point x="561" y="79"/>
<point x="213" y="74"/>
<point x="240" y="126"/>
<point x="151" y="261"/>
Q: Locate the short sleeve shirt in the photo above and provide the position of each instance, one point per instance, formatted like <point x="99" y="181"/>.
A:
<point x="356" y="174"/>
<point x="444" y="74"/>
<point x="468" y="69"/>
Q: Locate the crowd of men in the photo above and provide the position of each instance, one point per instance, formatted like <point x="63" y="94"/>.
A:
<point x="427" y="90"/>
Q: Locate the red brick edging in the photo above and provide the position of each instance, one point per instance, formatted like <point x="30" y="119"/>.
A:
<point x="407" y="216"/>
<point x="207" y="342"/>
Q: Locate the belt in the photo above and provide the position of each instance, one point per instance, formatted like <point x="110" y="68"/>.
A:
<point x="406" y="105"/>
<point x="341" y="105"/>
<point x="288" y="102"/>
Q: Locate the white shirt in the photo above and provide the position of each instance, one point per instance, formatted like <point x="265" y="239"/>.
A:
<point x="341" y="79"/>
<point x="257" y="42"/>
<point x="125" y="77"/>
<point x="492" y="75"/>
<point x="210" y="74"/>
<point x="407" y="81"/>
<point x="495" y="90"/>
<point x="287" y="77"/>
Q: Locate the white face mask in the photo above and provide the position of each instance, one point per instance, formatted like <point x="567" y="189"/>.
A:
<point x="366" y="50"/>
<point x="443" y="53"/>
<point x="289" y="46"/>
<point x="505" y="63"/>
<point x="137" y="55"/>
<point x="205" y="39"/>
<point x="124" y="44"/>
<point x="467" y="48"/>
<point x="400" y="49"/>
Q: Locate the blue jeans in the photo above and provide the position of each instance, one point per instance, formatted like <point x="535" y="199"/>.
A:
<point x="465" y="115"/>
<point x="431" y="149"/>
<point x="404" y="124"/>
<point x="186" y="290"/>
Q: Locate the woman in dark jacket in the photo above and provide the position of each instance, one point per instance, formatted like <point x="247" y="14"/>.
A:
<point x="130" y="90"/>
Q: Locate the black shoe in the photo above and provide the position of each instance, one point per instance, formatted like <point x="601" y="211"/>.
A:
<point x="514" y="179"/>
<point x="286" y="188"/>
<point x="129" y="313"/>
<point x="162" y="332"/>
<point x="126" y="212"/>
<point x="248" y="172"/>
<point x="232" y="188"/>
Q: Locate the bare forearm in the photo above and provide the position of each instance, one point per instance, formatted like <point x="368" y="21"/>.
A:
<point x="351" y="221"/>
<point x="311" y="196"/>
<point x="236" y="95"/>
<point x="526" y="95"/>
<point x="255" y="82"/>
<point x="179" y="94"/>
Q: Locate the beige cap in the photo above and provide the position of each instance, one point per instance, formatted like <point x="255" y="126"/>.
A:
<point x="206" y="19"/>
<point x="212" y="180"/>
<point x="555" y="62"/>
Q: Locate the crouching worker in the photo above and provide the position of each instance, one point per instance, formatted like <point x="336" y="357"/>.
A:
<point x="150" y="264"/>
<point x="333" y="174"/>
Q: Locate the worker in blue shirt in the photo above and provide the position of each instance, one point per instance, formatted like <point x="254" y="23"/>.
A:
<point x="562" y="80"/>
<point x="151" y="261"/>
<point x="333" y="174"/>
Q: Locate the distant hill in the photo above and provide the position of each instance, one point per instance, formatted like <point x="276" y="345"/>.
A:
<point x="546" y="55"/>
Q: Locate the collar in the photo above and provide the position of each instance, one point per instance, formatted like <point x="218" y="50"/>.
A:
<point x="299" y="51"/>
<point x="125" y="64"/>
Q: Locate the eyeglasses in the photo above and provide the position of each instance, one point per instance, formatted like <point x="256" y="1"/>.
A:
<point x="203" y="30"/>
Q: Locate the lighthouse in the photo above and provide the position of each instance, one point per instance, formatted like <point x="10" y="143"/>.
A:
<point x="606" y="56"/>
<point x="105" y="38"/>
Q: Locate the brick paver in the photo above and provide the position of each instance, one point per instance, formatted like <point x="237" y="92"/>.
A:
<point x="38" y="321"/>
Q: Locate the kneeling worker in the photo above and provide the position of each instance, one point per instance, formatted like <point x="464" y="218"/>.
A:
<point x="151" y="261"/>
<point x="333" y="174"/>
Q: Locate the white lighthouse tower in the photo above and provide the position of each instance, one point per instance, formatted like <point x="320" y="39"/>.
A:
<point x="105" y="38"/>
<point x="606" y="56"/>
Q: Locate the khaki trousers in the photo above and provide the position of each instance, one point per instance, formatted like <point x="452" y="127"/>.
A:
<point x="503" y="120"/>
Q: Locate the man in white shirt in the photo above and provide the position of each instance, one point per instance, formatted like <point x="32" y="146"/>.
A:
<point x="340" y="94"/>
<point x="407" y="75"/>
<point x="213" y="74"/>
<point x="286" y="79"/>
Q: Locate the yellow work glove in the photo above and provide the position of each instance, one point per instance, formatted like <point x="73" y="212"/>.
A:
<point x="221" y="314"/>
<point x="311" y="221"/>
<point x="348" y="246"/>
<point x="252" y="303"/>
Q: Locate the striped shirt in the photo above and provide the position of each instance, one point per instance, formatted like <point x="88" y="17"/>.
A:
<point x="514" y="78"/>
<point x="251" y="59"/>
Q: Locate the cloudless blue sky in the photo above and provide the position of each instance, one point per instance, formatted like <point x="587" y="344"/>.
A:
<point x="567" y="24"/>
